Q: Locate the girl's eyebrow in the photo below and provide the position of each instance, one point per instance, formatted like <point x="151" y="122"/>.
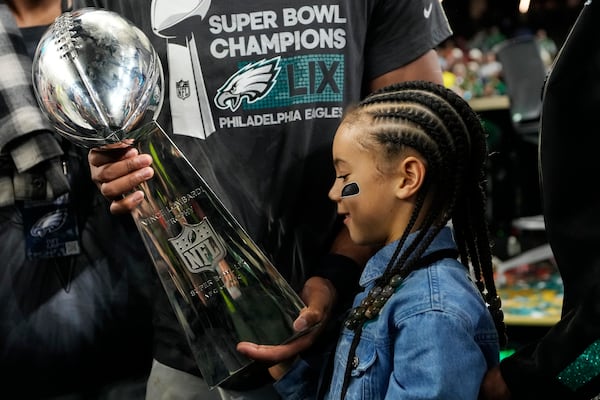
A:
<point x="339" y="162"/>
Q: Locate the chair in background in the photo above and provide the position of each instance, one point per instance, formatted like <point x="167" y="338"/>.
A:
<point x="524" y="73"/>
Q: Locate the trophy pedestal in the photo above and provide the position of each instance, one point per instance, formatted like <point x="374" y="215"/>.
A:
<point x="222" y="288"/>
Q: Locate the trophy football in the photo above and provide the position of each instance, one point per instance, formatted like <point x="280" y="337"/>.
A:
<point x="99" y="81"/>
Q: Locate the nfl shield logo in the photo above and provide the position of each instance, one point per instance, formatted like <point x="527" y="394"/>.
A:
<point x="199" y="246"/>
<point x="183" y="89"/>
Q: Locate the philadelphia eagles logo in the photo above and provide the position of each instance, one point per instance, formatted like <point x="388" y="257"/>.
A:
<point x="253" y="82"/>
<point x="49" y="223"/>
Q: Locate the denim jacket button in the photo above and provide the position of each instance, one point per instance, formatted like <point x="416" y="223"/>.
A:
<point x="355" y="362"/>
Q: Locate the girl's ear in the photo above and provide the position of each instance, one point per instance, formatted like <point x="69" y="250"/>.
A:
<point x="411" y="174"/>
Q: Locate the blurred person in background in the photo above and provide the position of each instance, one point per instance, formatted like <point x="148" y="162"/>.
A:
<point x="75" y="281"/>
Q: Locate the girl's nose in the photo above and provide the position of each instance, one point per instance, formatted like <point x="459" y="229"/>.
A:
<point x="335" y="192"/>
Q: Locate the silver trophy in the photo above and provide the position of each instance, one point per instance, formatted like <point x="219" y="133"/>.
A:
<point x="99" y="81"/>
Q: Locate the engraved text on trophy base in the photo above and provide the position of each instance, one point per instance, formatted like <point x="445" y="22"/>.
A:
<point x="179" y="207"/>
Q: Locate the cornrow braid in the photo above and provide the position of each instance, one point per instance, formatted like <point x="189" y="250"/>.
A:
<point x="443" y="128"/>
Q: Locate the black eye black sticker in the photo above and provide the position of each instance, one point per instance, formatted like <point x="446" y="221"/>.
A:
<point x="351" y="189"/>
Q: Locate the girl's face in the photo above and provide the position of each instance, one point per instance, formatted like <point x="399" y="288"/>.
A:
<point x="369" y="204"/>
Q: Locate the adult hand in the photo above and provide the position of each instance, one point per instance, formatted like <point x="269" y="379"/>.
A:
<point x="117" y="172"/>
<point x="319" y="295"/>
<point x="493" y="386"/>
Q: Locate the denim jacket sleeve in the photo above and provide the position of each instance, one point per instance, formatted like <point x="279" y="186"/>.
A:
<point x="435" y="358"/>
<point x="299" y="383"/>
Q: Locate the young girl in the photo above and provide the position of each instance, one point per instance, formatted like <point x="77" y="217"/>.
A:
<point x="410" y="173"/>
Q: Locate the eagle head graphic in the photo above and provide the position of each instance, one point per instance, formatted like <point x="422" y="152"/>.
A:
<point x="253" y="82"/>
<point x="49" y="223"/>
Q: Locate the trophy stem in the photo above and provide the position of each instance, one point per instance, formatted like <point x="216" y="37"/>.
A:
<point x="222" y="288"/>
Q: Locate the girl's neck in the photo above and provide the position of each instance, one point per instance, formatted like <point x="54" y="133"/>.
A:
<point x="30" y="13"/>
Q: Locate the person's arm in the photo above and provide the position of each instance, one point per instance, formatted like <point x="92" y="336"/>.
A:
<point x="425" y="68"/>
<point x="28" y="146"/>
<point x="493" y="386"/>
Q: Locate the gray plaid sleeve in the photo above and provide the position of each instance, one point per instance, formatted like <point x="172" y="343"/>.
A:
<point x="25" y="133"/>
<point x="20" y="115"/>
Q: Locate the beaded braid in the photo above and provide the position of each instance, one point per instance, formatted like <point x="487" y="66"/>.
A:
<point x="443" y="128"/>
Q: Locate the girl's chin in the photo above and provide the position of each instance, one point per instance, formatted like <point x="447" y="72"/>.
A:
<point x="356" y="239"/>
<point x="355" y="235"/>
<point x="363" y="240"/>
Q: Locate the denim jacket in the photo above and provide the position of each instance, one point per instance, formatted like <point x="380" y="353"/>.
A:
<point x="434" y="339"/>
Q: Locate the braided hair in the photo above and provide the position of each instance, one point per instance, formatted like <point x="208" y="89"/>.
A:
<point x="441" y="126"/>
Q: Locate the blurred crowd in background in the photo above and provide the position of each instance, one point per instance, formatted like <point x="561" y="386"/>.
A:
<point x="469" y="58"/>
<point x="471" y="67"/>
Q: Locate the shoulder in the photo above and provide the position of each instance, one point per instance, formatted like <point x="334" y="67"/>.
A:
<point x="445" y="286"/>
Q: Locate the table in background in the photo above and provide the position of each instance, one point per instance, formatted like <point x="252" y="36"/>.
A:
<point x="529" y="284"/>
<point x="489" y="103"/>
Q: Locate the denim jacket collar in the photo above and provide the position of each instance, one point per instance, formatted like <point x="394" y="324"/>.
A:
<point x="377" y="264"/>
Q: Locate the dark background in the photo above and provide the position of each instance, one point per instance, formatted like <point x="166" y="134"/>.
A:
<point x="467" y="17"/>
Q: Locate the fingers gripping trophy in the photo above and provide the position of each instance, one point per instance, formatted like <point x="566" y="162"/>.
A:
<point x="99" y="81"/>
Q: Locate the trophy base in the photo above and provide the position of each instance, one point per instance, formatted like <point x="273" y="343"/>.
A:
<point x="252" y="376"/>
